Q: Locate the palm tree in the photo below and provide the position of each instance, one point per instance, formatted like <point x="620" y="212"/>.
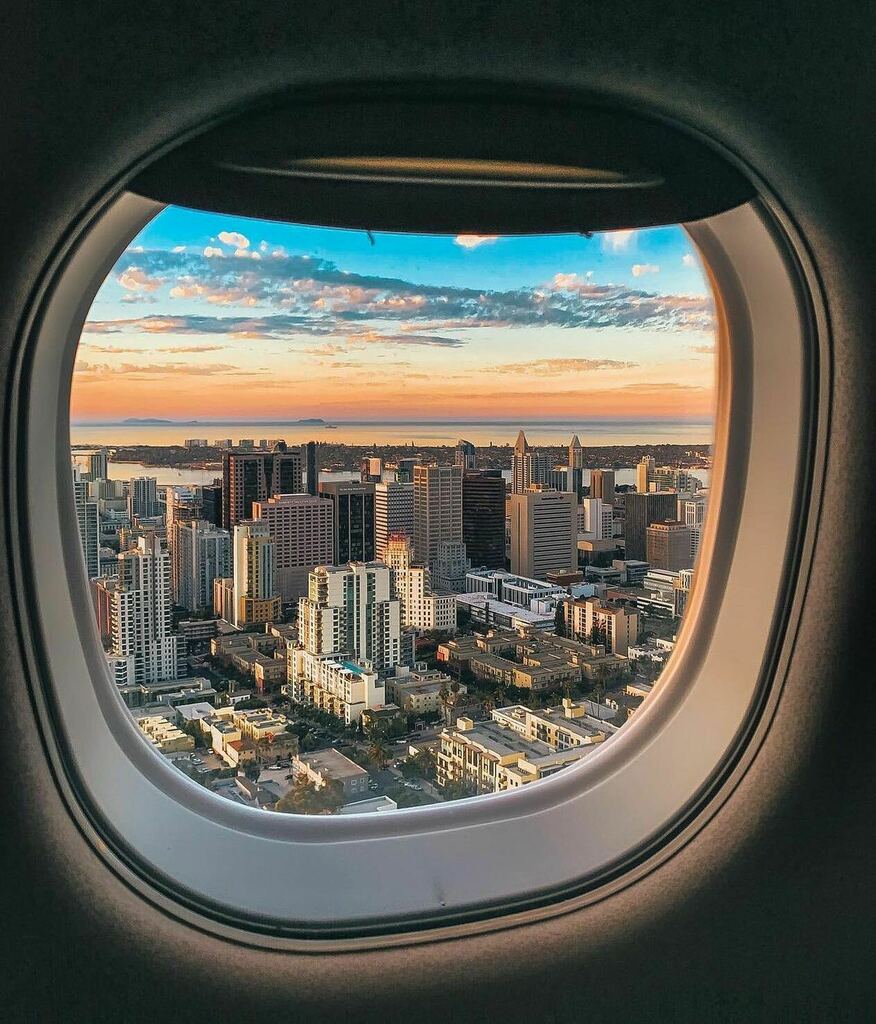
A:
<point x="378" y="749"/>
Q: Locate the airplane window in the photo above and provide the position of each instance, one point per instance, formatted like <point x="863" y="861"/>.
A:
<point x="372" y="520"/>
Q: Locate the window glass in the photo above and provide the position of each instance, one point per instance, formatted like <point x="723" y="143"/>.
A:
<point x="380" y="520"/>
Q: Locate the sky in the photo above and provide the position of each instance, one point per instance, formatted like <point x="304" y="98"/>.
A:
<point x="213" y="317"/>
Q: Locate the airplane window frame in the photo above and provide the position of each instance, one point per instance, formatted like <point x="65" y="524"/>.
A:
<point x="484" y="859"/>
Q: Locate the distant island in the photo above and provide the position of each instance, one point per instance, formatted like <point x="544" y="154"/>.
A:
<point x="314" y="422"/>
<point x="152" y="422"/>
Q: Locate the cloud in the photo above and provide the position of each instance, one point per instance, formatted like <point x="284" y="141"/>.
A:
<point x="178" y="248"/>
<point x="640" y="269"/>
<point x="150" y="370"/>
<point x="318" y="298"/>
<point x="617" y="241"/>
<point x="135" y="279"/>
<point x="234" y="238"/>
<point x="704" y="350"/>
<point x="210" y="251"/>
<point x="555" y="367"/>
<point x="473" y="241"/>
<point x="689" y="260"/>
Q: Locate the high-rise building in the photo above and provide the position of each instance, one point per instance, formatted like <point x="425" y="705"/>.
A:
<point x="465" y="456"/>
<point x="544" y="532"/>
<point x="645" y="474"/>
<point x="143" y="647"/>
<point x="668" y="546"/>
<point x="528" y="466"/>
<point x="670" y="478"/>
<point x="404" y="473"/>
<point x="483" y="518"/>
<point x="182" y="504"/>
<point x="349" y="610"/>
<point x="211" y="502"/>
<point x="142" y="498"/>
<point x="255" y="593"/>
<point x="302" y="528"/>
<point x="602" y="484"/>
<point x="438" y="541"/>
<point x="88" y="522"/>
<point x="393" y="513"/>
<point x="94" y="463"/>
<point x="681" y="591"/>
<point x="353" y="520"/>
<point x="575" y="472"/>
<point x="201" y="553"/>
<point x="640" y="511"/>
<point x="311" y="468"/>
<point x="421" y="607"/>
<point x="249" y="476"/>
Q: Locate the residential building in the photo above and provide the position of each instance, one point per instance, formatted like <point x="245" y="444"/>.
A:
<point x="165" y="735"/>
<point x="486" y="610"/>
<point x="393" y="513"/>
<point x="324" y="765"/>
<point x="211" y="502"/>
<point x="302" y="529"/>
<point x="544" y="532"/>
<point x="223" y="598"/>
<point x="646" y="472"/>
<point x="640" y="511"/>
<point x="421" y="607"/>
<point x="512" y="589"/>
<point x="88" y="523"/>
<point x="94" y="463"/>
<point x="201" y="553"/>
<point x="256" y="599"/>
<point x="597" y="518"/>
<point x="341" y="687"/>
<point x="483" y="518"/>
<point x="616" y="626"/>
<point x="528" y="466"/>
<point x="668" y="546"/>
<point x="421" y="690"/>
<point x="143" y="648"/>
<point x="250" y="476"/>
<point x="142" y="498"/>
<point x="353" y="520"/>
<point x="681" y="591"/>
<point x="350" y="610"/>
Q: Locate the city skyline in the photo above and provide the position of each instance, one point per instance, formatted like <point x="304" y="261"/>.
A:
<point x="215" y="318"/>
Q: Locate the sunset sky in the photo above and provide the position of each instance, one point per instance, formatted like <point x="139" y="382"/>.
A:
<point x="218" y="318"/>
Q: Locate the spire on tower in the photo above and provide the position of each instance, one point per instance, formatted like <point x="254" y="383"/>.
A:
<point x="521" y="445"/>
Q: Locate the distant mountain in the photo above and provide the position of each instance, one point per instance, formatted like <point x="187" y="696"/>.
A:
<point x="151" y="422"/>
<point x="311" y="422"/>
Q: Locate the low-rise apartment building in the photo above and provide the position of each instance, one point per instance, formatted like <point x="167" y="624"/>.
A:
<point x="323" y="765"/>
<point x="331" y="682"/>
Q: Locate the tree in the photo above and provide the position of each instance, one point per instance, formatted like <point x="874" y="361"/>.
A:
<point x="378" y="748"/>
<point x="305" y="797"/>
<point x="425" y="761"/>
<point x="560" y="619"/>
<point x="458" y="789"/>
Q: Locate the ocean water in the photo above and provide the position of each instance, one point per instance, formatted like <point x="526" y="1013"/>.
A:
<point x="481" y="433"/>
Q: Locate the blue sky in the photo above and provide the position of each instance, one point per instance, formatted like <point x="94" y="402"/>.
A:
<point x="207" y="315"/>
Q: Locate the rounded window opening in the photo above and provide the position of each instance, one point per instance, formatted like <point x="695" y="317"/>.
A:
<point x="377" y="520"/>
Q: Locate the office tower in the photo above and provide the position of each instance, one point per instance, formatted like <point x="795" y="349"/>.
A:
<point x="668" y="546"/>
<point x="302" y="528"/>
<point x="645" y="474"/>
<point x="575" y="473"/>
<point x="393" y="514"/>
<point x="465" y="456"/>
<point x="438" y="539"/>
<point x="557" y="477"/>
<point x="142" y="498"/>
<point x="668" y="478"/>
<point x="371" y="470"/>
<point x="483" y="518"/>
<point x="405" y="471"/>
<point x="597" y="518"/>
<point x="640" y="511"/>
<point x="143" y="648"/>
<point x="528" y="466"/>
<point x="249" y="476"/>
<point x="88" y="522"/>
<point x="349" y="610"/>
<point x="201" y="553"/>
<point x="544" y="532"/>
<point x="421" y="607"/>
<point x="353" y="520"/>
<point x="311" y="468"/>
<point x="211" y="502"/>
<point x="616" y="626"/>
<point x="255" y="594"/>
<point x="602" y="484"/>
